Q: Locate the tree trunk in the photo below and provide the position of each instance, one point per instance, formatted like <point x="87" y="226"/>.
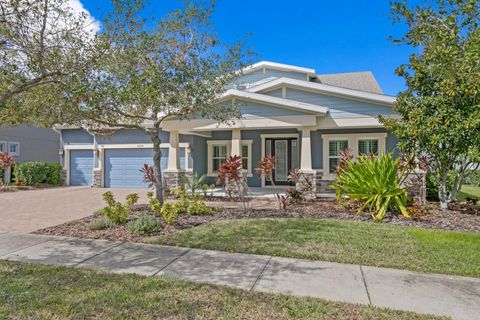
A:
<point x="157" y="169"/>
<point x="442" y="191"/>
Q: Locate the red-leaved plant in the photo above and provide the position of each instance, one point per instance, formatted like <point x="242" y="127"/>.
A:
<point x="265" y="167"/>
<point x="6" y="162"/>
<point x="230" y="176"/>
<point x="148" y="175"/>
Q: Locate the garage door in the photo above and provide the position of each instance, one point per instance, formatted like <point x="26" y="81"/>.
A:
<point x="81" y="167"/>
<point x="122" y="166"/>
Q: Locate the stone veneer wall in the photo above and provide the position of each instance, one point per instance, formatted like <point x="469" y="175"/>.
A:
<point x="97" y="178"/>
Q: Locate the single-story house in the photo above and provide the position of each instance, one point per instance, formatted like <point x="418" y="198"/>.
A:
<point x="302" y="118"/>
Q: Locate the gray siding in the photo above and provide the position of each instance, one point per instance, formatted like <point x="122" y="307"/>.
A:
<point x="76" y="136"/>
<point x="340" y="107"/>
<point x="259" y="76"/>
<point x="274" y="93"/>
<point x="36" y="144"/>
<point x="131" y="136"/>
<point x="249" y="109"/>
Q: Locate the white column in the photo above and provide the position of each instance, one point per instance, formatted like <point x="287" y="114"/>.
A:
<point x="236" y="138"/>
<point x="173" y="152"/>
<point x="306" y="154"/>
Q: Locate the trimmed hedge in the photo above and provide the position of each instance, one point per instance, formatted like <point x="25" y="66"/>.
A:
<point x="34" y="172"/>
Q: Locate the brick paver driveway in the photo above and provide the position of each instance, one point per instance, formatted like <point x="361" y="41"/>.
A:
<point x="27" y="211"/>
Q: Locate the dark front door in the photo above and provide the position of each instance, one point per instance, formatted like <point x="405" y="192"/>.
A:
<point x="285" y="151"/>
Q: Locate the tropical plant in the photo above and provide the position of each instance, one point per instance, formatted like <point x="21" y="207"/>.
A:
<point x="115" y="211"/>
<point x="194" y="183"/>
<point x="143" y="224"/>
<point x="148" y="175"/>
<point x="170" y="213"/>
<point x="375" y="183"/>
<point x="230" y="176"/>
<point x="198" y="208"/>
<point x="439" y="110"/>
<point x="6" y="162"/>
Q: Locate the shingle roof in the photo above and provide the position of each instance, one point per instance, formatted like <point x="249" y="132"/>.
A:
<point x="363" y="81"/>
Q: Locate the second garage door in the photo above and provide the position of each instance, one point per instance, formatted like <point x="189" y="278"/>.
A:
<point x="122" y="166"/>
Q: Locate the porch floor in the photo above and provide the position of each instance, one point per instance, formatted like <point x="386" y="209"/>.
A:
<point x="266" y="192"/>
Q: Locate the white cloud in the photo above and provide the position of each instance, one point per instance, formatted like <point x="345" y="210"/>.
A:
<point x="77" y="6"/>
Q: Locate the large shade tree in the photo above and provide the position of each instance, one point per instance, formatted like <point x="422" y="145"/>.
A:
<point x="440" y="109"/>
<point x="42" y="44"/>
<point x="155" y="70"/>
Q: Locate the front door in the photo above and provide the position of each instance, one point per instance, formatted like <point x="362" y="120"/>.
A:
<point x="285" y="151"/>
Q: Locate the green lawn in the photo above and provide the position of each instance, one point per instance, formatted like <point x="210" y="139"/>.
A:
<point x="47" y="292"/>
<point x="469" y="191"/>
<point x="363" y="243"/>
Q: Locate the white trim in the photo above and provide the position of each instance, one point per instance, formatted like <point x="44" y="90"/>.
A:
<point x="284" y="103"/>
<point x="323" y="88"/>
<point x="352" y="139"/>
<point x="78" y="147"/>
<point x="121" y="146"/>
<point x="17" y="153"/>
<point x="274" y="135"/>
<point x="4" y="143"/>
<point x="228" y="144"/>
<point x="262" y="65"/>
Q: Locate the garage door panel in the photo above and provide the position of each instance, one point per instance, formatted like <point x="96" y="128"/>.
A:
<point x="81" y="167"/>
<point x="122" y="167"/>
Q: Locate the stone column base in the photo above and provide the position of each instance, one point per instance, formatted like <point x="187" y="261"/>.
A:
<point x="307" y="184"/>
<point x="416" y="185"/>
<point x="97" y="178"/>
<point x="63" y="177"/>
<point x="172" y="179"/>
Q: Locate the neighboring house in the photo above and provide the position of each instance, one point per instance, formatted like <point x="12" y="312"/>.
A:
<point x="301" y="118"/>
<point x="27" y="143"/>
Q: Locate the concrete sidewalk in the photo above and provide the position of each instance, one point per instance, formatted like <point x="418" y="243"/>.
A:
<point x="458" y="297"/>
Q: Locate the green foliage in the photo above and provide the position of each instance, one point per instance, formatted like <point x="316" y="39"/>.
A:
<point x="115" y="211"/>
<point x="102" y="225"/>
<point x="170" y="212"/>
<point x="34" y="172"/>
<point x="154" y="204"/>
<point x="472" y="178"/>
<point x="375" y="183"/>
<point x="143" y="225"/>
<point x="198" y="208"/>
<point x="195" y="183"/>
<point x="440" y="113"/>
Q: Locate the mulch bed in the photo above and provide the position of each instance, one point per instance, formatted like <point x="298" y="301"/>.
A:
<point x="28" y="188"/>
<point x="461" y="217"/>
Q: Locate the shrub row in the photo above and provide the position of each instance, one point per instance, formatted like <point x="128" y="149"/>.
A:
<point x="34" y="172"/>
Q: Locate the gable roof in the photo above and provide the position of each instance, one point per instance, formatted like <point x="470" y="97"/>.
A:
<point x="362" y="81"/>
<point x="324" y="88"/>
<point x="280" y="102"/>
<point x="277" y="66"/>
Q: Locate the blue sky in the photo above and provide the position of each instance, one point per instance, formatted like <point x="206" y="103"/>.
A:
<point x="329" y="36"/>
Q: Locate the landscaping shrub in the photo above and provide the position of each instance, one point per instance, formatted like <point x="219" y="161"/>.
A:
<point x="153" y="203"/>
<point x="115" y="211"/>
<point x="102" y="225"/>
<point x="376" y="183"/>
<point x="34" y="172"/>
<point x="432" y="186"/>
<point x="143" y="224"/>
<point x="473" y="178"/>
<point x="170" y="212"/>
<point x="198" y="208"/>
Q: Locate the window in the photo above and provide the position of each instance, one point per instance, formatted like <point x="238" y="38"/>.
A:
<point x="14" y="148"/>
<point x="334" y="149"/>
<point x="219" y="156"/>
<point x="245" y="156"/>
<point x="367" y="146"/>
<point x="3" y="146"/>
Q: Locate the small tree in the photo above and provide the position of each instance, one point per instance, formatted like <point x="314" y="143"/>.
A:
<point x="175" y="67"/>
<point x="6" y="162"/>
<point x="440" y="110"/>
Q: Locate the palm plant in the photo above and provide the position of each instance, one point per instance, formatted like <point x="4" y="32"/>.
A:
<point x="375" y="183"/>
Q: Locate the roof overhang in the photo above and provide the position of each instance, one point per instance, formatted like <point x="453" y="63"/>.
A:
<point x="277" y="66"/>
<point x="275" y="101"/>
<point x="323" y="88"/>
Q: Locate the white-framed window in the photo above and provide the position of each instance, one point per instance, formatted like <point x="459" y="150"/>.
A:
<point x="335" y="147"/>
<point x="368" y="146"/>
<point x="359" y="144"/>
<point x="3" y="146"/>
<point x="14" y="148"/>
<point x="220" y="150"/>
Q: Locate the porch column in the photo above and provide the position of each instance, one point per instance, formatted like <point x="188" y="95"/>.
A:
<point x="306" y="153"/>
<point x="236" y="137"/>
<point x="173" y="153"/>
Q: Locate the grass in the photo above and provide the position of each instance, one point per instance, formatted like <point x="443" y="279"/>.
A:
<point x="416" y="249"/>
<point x="47" y="292"/>
<point x="470" y="192"/>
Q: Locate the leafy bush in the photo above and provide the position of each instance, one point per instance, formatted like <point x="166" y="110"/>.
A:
<point x="198" y="208"/>
<point x="143" y="224"/>
<point x="34" y="172"/>
<point x="117" y="212"/>
<point x="473" y="178"/>
<point x="432" y="186"/>
<point x="153" y="203"/>
<point x="102" y="225"/>
<point x="295" y="196"/>
<point x="170" y="212"/>
<point x="374" y="182"/>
